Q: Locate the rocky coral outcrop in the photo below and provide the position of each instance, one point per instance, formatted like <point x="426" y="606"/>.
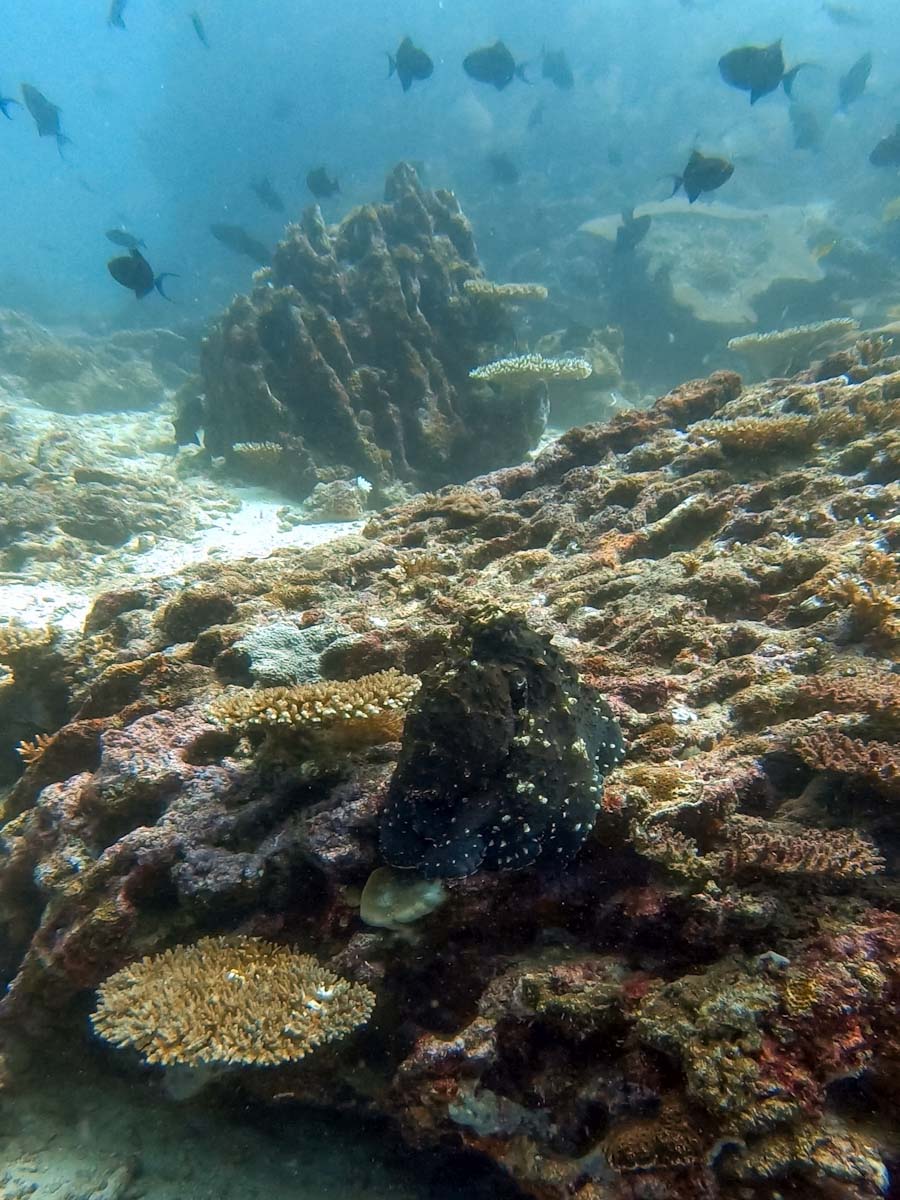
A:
<point x="352" y="354"/>
<point x="704" y="999"/>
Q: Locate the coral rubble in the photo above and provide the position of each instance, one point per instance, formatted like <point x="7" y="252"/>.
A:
<point x="699" y="996"/>
<point x="351" y="356"/>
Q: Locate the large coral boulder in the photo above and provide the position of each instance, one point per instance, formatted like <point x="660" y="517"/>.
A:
<point x="352" y="354"/>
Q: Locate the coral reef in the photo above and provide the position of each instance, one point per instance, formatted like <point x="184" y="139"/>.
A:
<point x="228" y="1000"/>
<point x="352" y="353"/>
<point x="786" y="351"/>
<point x="484" y="289"/>
<point x="699" y="997"/>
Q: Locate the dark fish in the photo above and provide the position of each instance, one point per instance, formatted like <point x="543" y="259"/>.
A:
<point x="321" y="184"/>
<point x="853" y="84"/>
<point x="133" y="271"/>
<point x="189" y="417"/>
<point x="410" y="62"/>
<point x="555" y="67"/>
<point x="117" y="14"/>
<point x="703" y="173"/>
<point x="503" y="169"/>
<point x="887" y="152"/>
<point x="493" y="64"/>
<point x="198" y="28"/>
<point x="806" y="126"/>
<point x="121" y="237"/>
<point x="5" y="102"/>
<point x="240" y="241"/>
<point x="45" y="114"/>
<point x="267" y="195"/>
<point x="631" y="231"/>
<point x="841" y="15"/>
<point x="758" y="70"/>
<point x="536" y="116"/>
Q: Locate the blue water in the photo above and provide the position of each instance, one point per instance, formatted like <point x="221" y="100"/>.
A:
<point x="167" y="135"/>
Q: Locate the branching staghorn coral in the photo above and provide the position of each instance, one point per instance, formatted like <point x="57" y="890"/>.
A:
<point x="484" y="289"/>
<point x="783" y="351"/>
<point x="228" y="1001"/>
<point x="353" y="712"/>
<point x="31" y="752"/>
<point x="526" y="368"/>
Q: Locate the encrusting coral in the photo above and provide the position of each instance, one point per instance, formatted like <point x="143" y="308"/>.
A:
<point x="228" y="1001"/>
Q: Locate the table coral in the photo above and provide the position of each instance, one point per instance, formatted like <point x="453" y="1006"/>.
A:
<point x="228" y="1000"/>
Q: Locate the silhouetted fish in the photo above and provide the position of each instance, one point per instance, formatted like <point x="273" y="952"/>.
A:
<point x="199" y="29"/>
<point x="503" y="169"/>
<point x="117" y="14"/>
<point x="133" y="271"/>
<point x="853" y="84"/>
<point x="757" y="70"/>
<point x="887" y="152"/>
<point x="631" y="231"/>
<point x="321" y="184"/>
<point x="267" y="195"/>
<point x="240" y="241"/>
<point x="45" y="114"/>
<point x="121" y="237"/>
<point x="494" y="65"/>
<point x="410" y="62"/>
<point x="842" y="15"/>
<point x="703" y="173"/>
<point x="555" y="67"/>
<point x="806" y="126"/>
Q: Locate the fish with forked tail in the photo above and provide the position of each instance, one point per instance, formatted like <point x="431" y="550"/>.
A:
<point x="758" y="70"/>
<point x="236" y="238"/>
<point x="495" y="65"/>
<point x="133" y="271"/>
<point x="410" y="63"/>
<point x="703" y="173"/>
<point x="45" y="114"/>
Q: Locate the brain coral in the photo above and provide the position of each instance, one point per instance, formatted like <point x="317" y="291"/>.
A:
<point x="228" y="1000"/>
<point x="503" y="760"/>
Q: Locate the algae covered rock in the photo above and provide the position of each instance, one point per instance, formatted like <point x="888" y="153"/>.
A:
<point x="352" y="354"/>
<point x="502" y="762"/>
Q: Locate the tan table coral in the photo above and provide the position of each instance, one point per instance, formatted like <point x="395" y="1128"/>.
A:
<point x="784" y="351"/>
<point x="228" y="1000"/>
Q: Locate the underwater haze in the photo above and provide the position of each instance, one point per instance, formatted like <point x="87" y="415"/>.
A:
<point x="450" y="600"/>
